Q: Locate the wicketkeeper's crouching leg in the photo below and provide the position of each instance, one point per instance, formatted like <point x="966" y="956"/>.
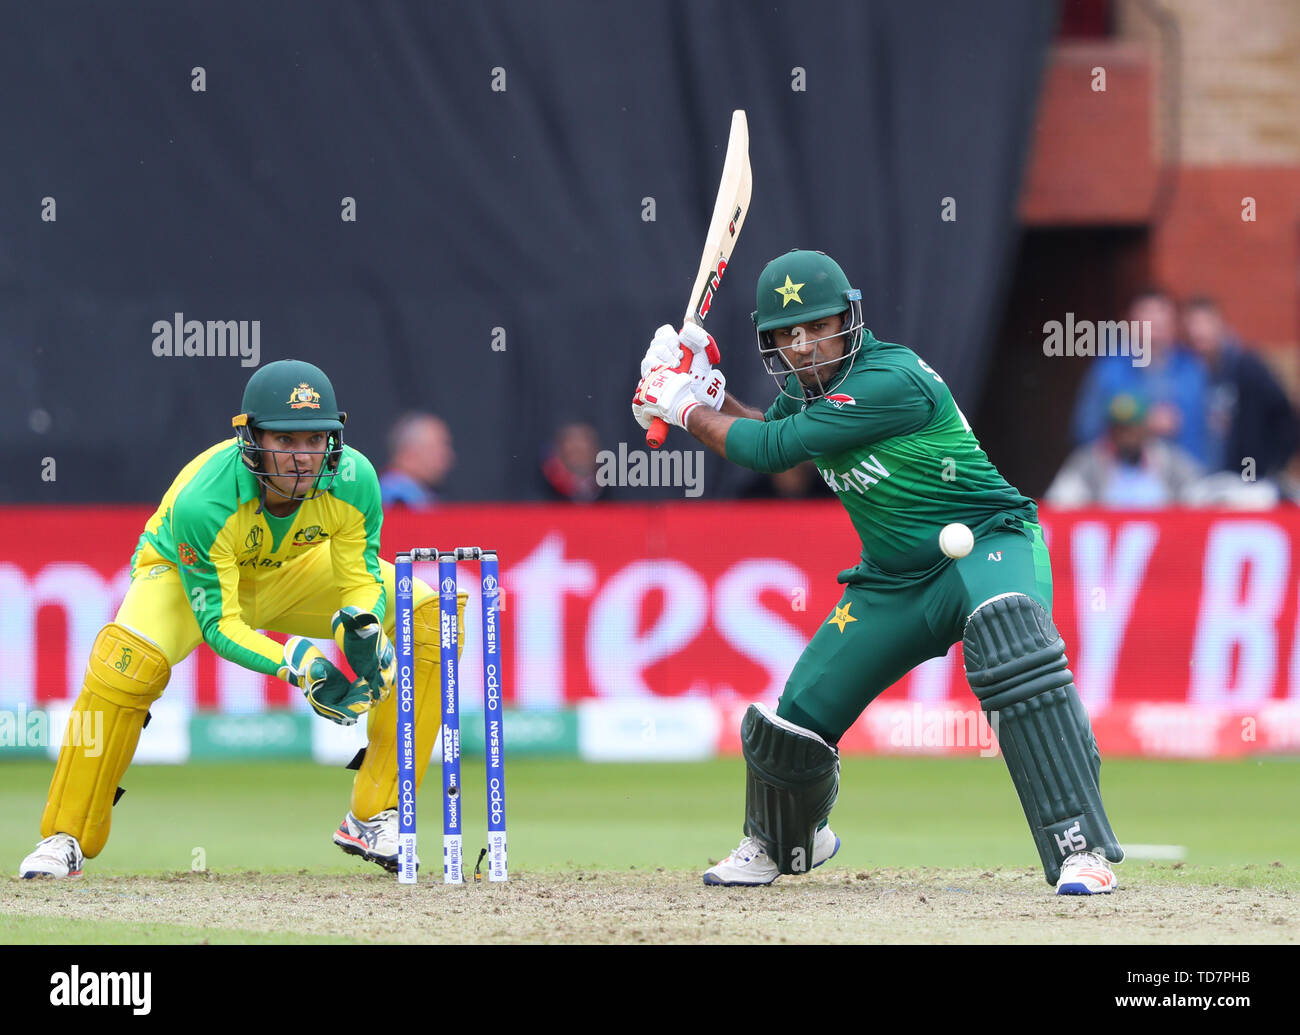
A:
<point x="125" y="675"/>
<point x="370" y="828"/>
<point x="1016" y="665"/>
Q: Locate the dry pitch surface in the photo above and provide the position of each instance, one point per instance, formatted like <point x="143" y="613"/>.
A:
<point x="918" y="906"/>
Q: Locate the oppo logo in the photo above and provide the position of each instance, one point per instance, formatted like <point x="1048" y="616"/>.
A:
<point x="496" y="803"/>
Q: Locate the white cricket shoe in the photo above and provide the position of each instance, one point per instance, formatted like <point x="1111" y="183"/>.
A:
<point x="750" y="865"/>
<point x="1086" y="873"/>
<point x="374" y="839"/>
<point x="59" y="855"/>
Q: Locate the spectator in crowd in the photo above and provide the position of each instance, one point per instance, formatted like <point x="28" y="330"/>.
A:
<point x="569" y="465"/>
<point x="1248" y="414"/>
<point x="1129" y="468"/>
<point x="1288" y="483"/>
<point x="420" y="456"/>
<point x="1173" y="383"/>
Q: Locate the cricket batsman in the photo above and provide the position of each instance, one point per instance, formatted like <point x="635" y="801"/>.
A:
<point x="883" y="430"/>
<point x="276" y="528"/>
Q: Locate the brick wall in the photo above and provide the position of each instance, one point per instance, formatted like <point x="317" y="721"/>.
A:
<point x="1091" y="161"/>
<point x="1203" y="246"/>
<point x="1235" y="102"/>
<point x="1237" y="76"/>
<point x="1213" y="89"/>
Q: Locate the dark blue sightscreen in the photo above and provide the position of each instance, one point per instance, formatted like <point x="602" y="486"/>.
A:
<point x="476" y="209"/>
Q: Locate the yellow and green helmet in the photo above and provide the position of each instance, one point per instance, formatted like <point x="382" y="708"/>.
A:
<point x="801" y="287"/>
<point x="290" y="395"/>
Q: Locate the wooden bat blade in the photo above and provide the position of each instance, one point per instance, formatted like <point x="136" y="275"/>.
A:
<point x="729" y="211"/>
<point x="735" y="190"/>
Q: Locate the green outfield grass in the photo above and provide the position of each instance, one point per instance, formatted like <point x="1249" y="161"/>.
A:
<point x="278" y="817"/>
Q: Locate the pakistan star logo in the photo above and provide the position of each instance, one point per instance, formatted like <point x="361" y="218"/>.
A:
<point x="789" y="292"/>
<point x="841" y="617"/>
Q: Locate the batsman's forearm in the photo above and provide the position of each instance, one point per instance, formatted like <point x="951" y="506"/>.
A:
<point x="735" y="408"/>
<point x="764" y="446"/>
<point x="711" y="427"/>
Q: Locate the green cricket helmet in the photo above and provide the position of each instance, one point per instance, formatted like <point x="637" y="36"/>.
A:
<point x="289" y="395"/>
<point x="801" y="287"/>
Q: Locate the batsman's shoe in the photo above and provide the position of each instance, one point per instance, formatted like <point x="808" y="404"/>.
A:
<point x="1086" y="873"/>
<point x="59" y="855"/>
<point x="750" y="865"/>
<point x="374" y="839"/>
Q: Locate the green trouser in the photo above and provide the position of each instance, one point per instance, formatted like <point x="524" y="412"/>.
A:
<point x="882" y="630"/>
<point x="884" y="626"/>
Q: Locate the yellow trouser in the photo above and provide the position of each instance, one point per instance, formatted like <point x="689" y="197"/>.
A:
<point x="155" y="628"/>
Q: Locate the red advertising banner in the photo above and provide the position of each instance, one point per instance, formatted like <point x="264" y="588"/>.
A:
<point x="716" y="600"/>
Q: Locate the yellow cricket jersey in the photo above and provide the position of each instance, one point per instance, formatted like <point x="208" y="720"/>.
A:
<point x="208" y="526"/>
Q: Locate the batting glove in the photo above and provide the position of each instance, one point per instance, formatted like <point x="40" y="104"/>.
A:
<point x="664" y="351"/>
<point x="664" y="393"/>
<point x="700" y="342"/>
<point x="368" y="650"/>
<point x="709" y="384"/>
<point x="326" y="688"/>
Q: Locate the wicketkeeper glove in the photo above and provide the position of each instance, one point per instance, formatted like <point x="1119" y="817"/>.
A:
<point x="327" y="689"/>
<point x="368" y="650"/>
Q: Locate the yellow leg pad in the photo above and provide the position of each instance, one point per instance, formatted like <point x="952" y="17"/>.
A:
<point x="126" y="673"/>
<point x="375" y="787"/>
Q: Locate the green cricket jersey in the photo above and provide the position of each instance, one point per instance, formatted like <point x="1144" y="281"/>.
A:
<point x="893" y="445"/>
<point x="208" y="525"/>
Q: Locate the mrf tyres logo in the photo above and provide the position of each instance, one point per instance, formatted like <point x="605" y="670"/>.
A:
<point x="100" y="988"/>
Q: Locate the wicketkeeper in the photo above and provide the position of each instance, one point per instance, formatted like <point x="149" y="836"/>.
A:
<point x="276" y="528"/>
<point x="884" y="431"/>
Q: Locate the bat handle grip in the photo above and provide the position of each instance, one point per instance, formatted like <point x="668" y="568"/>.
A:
<point x="658" y="433"/>
<point x="654" y="438"/>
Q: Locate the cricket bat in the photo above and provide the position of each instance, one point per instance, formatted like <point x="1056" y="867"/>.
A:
<point x="729" y="211"/>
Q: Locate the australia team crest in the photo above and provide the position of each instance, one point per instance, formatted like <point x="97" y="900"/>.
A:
<point x="304" y="396"/>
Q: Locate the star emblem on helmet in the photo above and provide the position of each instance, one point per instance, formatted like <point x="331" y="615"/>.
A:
<point x="789" y="292"/>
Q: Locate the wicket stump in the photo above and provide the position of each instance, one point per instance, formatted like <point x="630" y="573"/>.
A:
<point x="449" y="699"/>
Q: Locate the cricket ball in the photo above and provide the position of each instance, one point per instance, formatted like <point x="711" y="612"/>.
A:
<point x="956" y="540"/>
